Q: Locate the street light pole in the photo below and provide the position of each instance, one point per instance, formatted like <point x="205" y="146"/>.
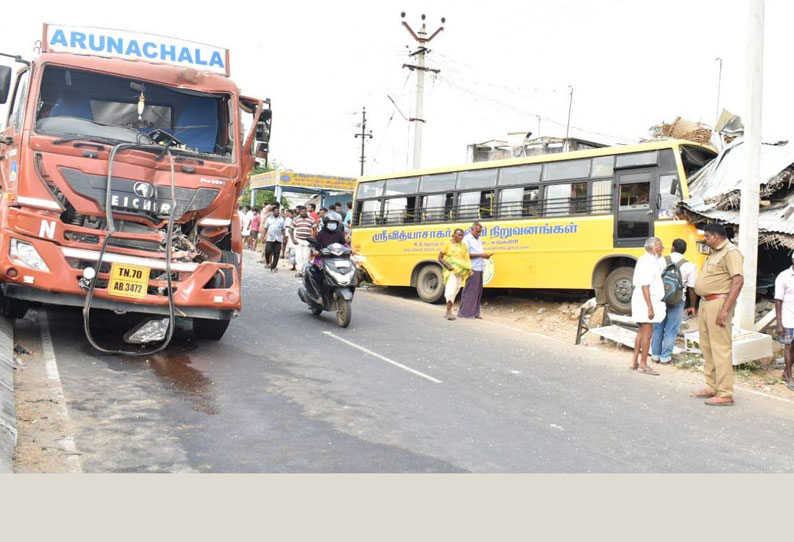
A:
<point x="748" y="216"/>
<point x="568" y="126"/>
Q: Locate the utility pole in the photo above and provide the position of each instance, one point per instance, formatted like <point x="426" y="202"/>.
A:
<point x="748" y="215"/>
<point x="568" y="126"/>
<point x="719" y="88"/>
<point x="422" y="40"/>
<point x="363" y="135"/>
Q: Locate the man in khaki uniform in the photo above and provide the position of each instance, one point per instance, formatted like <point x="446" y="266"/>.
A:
<point x="718" y="286"/>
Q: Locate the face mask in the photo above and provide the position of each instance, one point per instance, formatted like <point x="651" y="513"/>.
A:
<point x="332" y="226"/>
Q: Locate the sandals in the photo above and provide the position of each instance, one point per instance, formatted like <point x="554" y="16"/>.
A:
<point x="647" y="371"/>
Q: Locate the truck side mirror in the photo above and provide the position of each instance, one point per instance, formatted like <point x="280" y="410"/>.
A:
<point x="261" y="152"/>
<point x="263" y="128"/>
<point x="5" y="83"/>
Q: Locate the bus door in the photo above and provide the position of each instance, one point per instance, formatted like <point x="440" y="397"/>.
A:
<point x="635" y="194"/>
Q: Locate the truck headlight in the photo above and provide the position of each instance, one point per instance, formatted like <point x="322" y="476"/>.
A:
<point x="148" y="331"/>
<point x="26" y="254"/>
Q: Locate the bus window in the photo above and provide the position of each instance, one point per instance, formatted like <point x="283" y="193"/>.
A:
<point x="602" y="197"/>
<point x="565" y="199"/>
<point x="518" y="202"/>
<point x="669" y="195"/>
<point x="408" y="185"/>
<point x="520" y="174"/>
<point x="637" y="159"/>
<point x="436" y="207"/>
<point x="478" y="178"/>
<point x="394" y="210"/>
<point x="468" y="205"/>
<point x="486" y="204"/>
<point x="603" y="167"/>
<point x="438" y="183"/>
<point x="567" y="169"/>
<point x="399" y="210"/>
<point x="370" y="190"/>
<point x="368" y="212"/>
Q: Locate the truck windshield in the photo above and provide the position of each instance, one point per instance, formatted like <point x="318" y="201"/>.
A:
<point x="80" y="103"/>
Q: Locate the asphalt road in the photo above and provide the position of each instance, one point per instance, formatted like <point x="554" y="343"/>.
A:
<point x="400" y="390"/>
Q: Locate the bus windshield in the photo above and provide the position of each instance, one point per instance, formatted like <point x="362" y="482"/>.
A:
<point x="74" y="103"/>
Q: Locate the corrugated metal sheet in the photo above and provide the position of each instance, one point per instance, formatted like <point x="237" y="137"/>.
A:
<point x="778" y="218"/>
<point x="724" y="175"/>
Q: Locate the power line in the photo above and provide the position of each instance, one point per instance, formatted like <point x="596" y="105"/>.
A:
<point x="513" y="108"/>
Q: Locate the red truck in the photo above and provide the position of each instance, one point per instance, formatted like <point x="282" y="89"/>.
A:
<point x="121" y="162"/>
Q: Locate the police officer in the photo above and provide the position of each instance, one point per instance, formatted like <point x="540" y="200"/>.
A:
<point x="718" y="286"/>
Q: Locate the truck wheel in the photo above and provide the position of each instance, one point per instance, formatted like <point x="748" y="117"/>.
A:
<point x="209" y="329"/>
<point x="430" y="284"/>
<point x="618" y="288"/>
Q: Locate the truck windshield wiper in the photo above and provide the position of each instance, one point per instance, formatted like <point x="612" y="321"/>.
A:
<point x="93" y="139"/>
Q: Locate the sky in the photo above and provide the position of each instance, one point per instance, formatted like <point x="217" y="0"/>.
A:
<point x="504" y="67"/>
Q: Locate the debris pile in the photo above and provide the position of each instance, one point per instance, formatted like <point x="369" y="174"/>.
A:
<point x="682" y="129"/>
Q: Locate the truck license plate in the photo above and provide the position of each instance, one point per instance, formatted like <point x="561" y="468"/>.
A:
<point x="128" y="280"/>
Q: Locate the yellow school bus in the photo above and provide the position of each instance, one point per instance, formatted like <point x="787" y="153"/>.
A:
<point x="574" y="220"/>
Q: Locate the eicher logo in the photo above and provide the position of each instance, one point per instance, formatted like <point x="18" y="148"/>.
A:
<point x="135" y="46"/>
<point x="144" y="190"/>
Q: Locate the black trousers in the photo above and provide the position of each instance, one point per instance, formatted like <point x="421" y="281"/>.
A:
<point x="272" y="253"/>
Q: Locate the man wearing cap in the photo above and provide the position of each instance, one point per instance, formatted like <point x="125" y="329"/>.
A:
<point x="784" y="311"/>
<point x="718" y="286"/>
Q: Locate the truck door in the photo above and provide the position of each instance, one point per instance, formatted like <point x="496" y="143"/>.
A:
<point x="12" y="135"/>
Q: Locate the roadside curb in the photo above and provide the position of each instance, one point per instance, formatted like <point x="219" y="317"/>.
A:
<point x="8" y="416"/>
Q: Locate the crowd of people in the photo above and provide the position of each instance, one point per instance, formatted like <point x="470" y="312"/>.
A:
<point x="662" y="287"/>
<point x="285" y="234"/>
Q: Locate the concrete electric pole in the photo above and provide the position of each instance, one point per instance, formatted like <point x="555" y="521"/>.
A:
<point x="748" y="214"/>
<point x="363" y="135"/>
<point x="719" y="88"/>
<point x="422" y="40"/>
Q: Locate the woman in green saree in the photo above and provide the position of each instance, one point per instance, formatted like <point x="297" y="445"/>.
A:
<point x="454" y="257"/>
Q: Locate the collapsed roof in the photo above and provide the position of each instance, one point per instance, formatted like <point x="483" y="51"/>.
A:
<point x="715" y="191"/>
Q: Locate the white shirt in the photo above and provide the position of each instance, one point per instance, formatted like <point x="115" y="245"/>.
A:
<point x="688" y="272"/>
<point x="475" y="247"/>
<point x="248" y="218"/>
<point x="784" y="291"/>
<point x="647" y="272"/>
<point x="275" y="229"/>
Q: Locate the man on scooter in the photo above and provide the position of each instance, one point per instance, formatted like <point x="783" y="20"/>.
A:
<point x="331" y="232"/>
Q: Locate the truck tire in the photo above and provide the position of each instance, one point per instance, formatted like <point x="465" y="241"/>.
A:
<point x="618" y="288"/>
<point x="209" y="329"/>
<point x="430" y="284"/>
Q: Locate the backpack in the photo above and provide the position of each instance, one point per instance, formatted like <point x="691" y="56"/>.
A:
<point x="673" y="282"/>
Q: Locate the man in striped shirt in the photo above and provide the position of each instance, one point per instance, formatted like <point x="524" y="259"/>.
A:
<point x="303" y="227"/>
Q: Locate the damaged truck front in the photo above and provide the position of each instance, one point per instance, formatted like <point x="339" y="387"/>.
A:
<point x="121" y="162"/>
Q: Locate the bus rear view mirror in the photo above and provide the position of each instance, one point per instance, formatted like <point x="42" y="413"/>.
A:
<point x="261" y="152"/>
<point x="5" y="83"/>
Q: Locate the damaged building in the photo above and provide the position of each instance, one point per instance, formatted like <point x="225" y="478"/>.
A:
<point x="715" y="195"/>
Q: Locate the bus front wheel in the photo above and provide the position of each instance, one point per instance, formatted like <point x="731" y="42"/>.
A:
<point x="618" y="287"/>
<point x="430" y="284"/>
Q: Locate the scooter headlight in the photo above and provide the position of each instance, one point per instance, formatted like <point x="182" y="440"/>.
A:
<point x="342" y="279"/>
<point x="27" y="255"/>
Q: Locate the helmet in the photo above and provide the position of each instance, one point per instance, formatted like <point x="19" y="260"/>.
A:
<point x="332" y="217"/>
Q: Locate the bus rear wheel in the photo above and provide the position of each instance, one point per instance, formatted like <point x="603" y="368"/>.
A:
<point x="618" y="288"/>
<point x="430" y="284"/>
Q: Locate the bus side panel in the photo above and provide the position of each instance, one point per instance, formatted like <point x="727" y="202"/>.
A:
<point x="552" y="253"/>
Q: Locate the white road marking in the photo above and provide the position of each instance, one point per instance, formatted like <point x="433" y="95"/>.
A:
<point x="384" y="358"/>
<point x="51" y="370"/>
